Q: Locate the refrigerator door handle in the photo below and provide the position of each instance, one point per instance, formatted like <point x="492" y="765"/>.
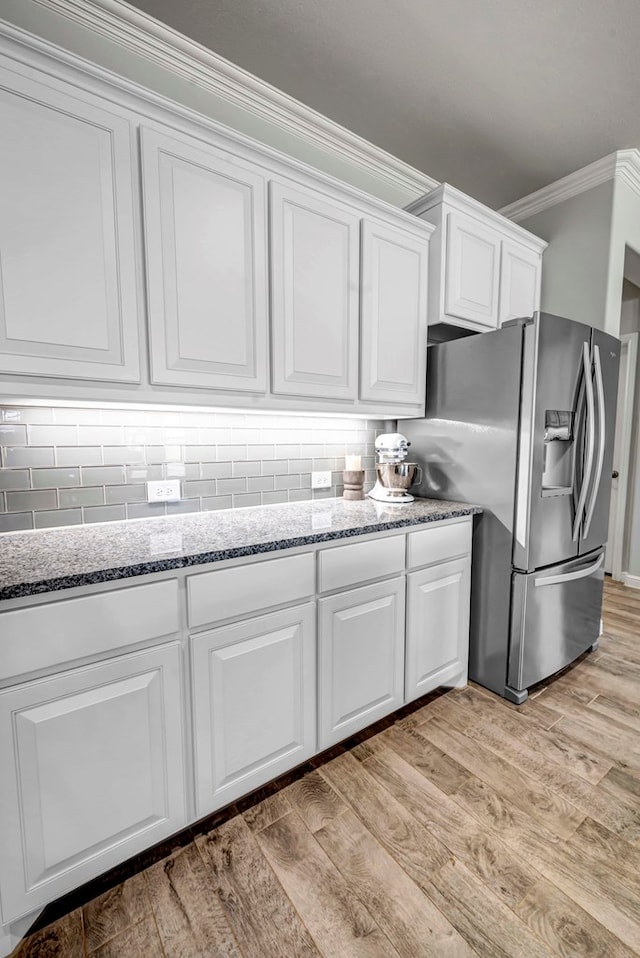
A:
<point x="570" y="576"/>
<point x="601" y="440"/>
<point x="591" y="436"/>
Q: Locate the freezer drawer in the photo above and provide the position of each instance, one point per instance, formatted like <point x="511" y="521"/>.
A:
<point x="555" y="617"/>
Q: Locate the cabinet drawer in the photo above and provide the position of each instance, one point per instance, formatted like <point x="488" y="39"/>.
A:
<point x="58" y="632"/>
<point x="226" y="593"/>
<point x="439" y="542"/>
<point x="345" y="566"/>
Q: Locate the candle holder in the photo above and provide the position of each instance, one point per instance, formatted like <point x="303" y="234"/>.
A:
<point x="353" y="480"/>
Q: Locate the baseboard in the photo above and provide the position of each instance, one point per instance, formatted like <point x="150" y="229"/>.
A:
<point x="11" y="935"/>
<point x="633" y="581"/>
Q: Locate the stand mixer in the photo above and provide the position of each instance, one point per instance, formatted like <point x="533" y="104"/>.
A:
<point x="394" y="475"/>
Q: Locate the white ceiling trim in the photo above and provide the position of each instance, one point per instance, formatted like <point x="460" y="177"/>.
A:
<point x="624" y="164"/>
<point x="143" y="35"/>
<point x="628" y="168"/>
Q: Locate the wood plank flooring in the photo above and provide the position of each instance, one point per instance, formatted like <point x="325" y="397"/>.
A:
<point x="468" y="828"/>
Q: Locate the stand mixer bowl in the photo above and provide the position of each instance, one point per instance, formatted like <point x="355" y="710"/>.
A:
<point x="397" y="477"/>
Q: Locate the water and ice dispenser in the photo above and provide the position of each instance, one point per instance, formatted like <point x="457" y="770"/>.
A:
<point x="558" y="453"/>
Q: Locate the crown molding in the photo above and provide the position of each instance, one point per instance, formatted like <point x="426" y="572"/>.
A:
<point x="625" y="164"/>
<point x="141" y="34"/>
<point x="455" y="199"/>
<point x="628" y="168"/>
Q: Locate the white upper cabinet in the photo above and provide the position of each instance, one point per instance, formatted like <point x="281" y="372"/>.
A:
<point x="315" y="282"/>
<point x="520" y="279"/>
<point x="267" y="283"/>
<point x="205" y="234"/>
<point x="393" y="327"/>
<point x="472" y="271"/>
<point x="348" y="301"/>
<point x="68" y="295"/>
<point x="484" y="269"/>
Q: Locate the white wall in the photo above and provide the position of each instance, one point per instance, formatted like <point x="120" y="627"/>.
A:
<point x="625" y="242"/>
<point x="46" y="22"/>
<point x="623" y="299"/>
<point x="575" y="270"/>
<point x="632" y="536"/>
<point x="630" y="309"/>
<point x="630" y="323"/>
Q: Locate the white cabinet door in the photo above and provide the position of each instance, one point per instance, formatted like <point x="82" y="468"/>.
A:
<point x="393" y="352"/>
<point x="254" y="703"/>
<point x="68" y="298"/>
<point x="315" y="285"/>
<point x="92" y="772"/>
<point x="520" y="278"/>
<point x="205" y="235"/>
<point x="361" y="658"/>
<point x="471" y="271"/>
<point x="437" y="627"/>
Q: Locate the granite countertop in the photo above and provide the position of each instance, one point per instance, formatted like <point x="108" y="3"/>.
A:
<point x="48" y="560"/>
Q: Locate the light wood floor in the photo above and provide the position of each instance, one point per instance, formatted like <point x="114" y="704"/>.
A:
<point x="468" y="828"/>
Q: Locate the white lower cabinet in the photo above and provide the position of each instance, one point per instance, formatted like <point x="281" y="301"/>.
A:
<point x="92" y="758"/>
<point x="437" y="627"/>
<point x="92" y="773"/>
<point x="254" y="700"/>
<point x="360" y="659"/>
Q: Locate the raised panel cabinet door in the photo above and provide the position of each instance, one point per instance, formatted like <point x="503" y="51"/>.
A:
<point x="393" y="347"/>
<point x="92" y="773"/>
<point x="437" y="627"/>
<point x="520" y="279"/>
<point x="472" y="269"/>
<point x="360" y="658"/>
<point x="254" y="701"/>
<point x="315" y="288"/>
<point x="68" y="296"/>
<point x="205" y="222"/>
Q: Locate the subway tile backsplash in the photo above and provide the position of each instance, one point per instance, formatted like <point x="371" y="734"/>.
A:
<point x="61" y="465"/>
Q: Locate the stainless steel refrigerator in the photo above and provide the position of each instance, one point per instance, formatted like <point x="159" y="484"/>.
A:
<point x="521" y="421"/>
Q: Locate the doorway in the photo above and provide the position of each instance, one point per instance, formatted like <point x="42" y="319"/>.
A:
<point x="622" y="463"/>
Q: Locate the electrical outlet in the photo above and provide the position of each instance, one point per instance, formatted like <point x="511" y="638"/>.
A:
<point x="321" y="480"/>
<point x="166" y="491"/>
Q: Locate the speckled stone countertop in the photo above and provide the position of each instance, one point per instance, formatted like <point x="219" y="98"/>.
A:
<point x="48" y="560"/>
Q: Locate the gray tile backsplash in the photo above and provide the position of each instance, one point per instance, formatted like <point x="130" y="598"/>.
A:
<point x="27" y="456"/>
<point x="65" y="465"/>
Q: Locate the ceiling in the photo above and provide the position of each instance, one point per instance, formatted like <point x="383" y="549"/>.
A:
<point x="497" y="97"/>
